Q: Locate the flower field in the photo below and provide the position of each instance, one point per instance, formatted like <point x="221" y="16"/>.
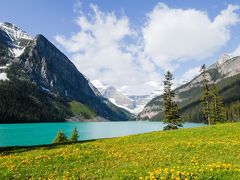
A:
<point x="197" y="153"/>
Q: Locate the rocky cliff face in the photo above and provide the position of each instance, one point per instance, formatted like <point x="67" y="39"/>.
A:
<point x="225" y="73"/>
<point x="52" y="71"/>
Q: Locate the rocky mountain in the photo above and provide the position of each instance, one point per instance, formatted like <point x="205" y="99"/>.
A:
<point x="132" y="103"/>
<point x="39" y="63"/>
<point x="225" y="73"/>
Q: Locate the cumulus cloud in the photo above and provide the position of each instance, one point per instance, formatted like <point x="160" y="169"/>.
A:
<point x="100" y="51"/>
<point x="107" y="48"/>
<point x="175" y="35"/>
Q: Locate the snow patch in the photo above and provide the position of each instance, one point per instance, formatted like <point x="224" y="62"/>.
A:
<point x="3" y="67"/>
<point x="3" y="76"/>
<point x="112" y="100"/>
<point x="17" y="51"/>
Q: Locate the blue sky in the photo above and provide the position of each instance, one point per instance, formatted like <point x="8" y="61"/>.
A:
<point x="135" y="65"/>
<point x="52" y="17"/>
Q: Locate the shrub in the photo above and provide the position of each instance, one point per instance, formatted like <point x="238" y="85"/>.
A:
<point x="74" y="136"/>
<point x="60" y="138"/>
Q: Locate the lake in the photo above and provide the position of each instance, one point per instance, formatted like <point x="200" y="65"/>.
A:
<point x="44" y="133"/>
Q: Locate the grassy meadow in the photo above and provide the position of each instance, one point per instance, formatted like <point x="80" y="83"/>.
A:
<point x="196" y="153"/>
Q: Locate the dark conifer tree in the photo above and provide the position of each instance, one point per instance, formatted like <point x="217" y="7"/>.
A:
<point x="206" y="96"/>
<point x="171" y="110"/>
<point x="216" y="106"/>
<point x="60" y="138"/>
<point x="75" y="136"/>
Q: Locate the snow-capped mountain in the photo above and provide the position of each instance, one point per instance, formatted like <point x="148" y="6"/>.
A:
<point x="15" y="38"/>
<point x="132" y="103"/>
<point x="114" y="95"/>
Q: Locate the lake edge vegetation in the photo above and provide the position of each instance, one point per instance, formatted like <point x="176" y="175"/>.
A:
<point x="61" y="137"/>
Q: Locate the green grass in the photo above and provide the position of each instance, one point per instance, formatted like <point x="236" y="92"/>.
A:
<point x="197" y="153"/>
<point x="80" y="110"/>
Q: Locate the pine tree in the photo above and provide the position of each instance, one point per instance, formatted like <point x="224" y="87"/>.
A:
<point x="220" y="113"/>
<point x="75" y="136"/>
<point x="216" y="106"/>
<point x="211" y="101"/>
<point x="60" y="138"/>
<point x="205" y="97"/>
<point x="171" y="110"/>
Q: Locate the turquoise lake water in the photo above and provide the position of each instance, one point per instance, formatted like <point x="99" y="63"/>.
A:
<point x="44" y="133"/>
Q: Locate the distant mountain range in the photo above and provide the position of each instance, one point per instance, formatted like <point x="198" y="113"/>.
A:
<point x="225" y="73"/>
<point x="39" y="83"/>
<point x="132" y="103"/>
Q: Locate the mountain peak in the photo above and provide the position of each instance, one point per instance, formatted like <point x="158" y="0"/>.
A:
<point x="222" y="59"/>
<point x="40" y="37"/>
<point x="9" y="25"/>
<point x="133" y="103"/>
<point x="14" y="32"/>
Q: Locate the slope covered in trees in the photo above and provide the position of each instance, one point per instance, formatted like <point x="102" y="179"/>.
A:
<point x="23" y="101"/>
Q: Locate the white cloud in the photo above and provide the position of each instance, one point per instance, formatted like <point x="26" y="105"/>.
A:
<point x="175" y="35"/>
<point x="99" y="50"/>
<point x="107" y="48"/>
<point x="236" y="52"/>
